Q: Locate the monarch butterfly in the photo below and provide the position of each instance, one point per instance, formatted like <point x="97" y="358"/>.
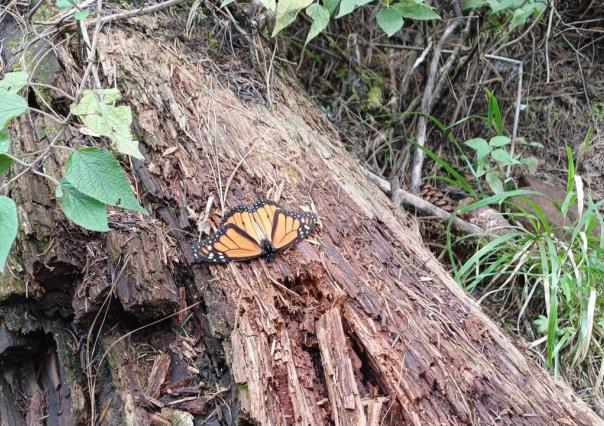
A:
<point x="248" y="232"/>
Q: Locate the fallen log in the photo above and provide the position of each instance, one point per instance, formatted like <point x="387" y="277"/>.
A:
<point x="359" y="324"/>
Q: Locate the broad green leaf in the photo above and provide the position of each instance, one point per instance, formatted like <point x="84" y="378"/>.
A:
<point x="348" y="6"/>
<point x="494" y="180"/>
<point x="499" y="141"/>
<point x="389" y="20"/>
<point x="499" y="5"/>
<point x="320" y="19"/>
<point x="502" y="157"/>
<point x="225" y="3"/>
<point x="104" y="119"/>
<point x="5" y="163"/>
<point x="520" y="16"/>
<point x="82" y="209"/>
<point x="8" y="227"/>
<point x="531" y="163"/>
<point x="479" y="145"/>
<point x="4" y="142"/>
<point x="11" y="106"/>
<point x="539" y="6"/>
<point x="473" y="4"/>
<point x="269" y="4"/>
<point x="331" y="5"/>
<point x="13" y="81"/>
<point x="96" y="173"/>
<point x="416" y="10"/>
<point x="64" y="4"/>
<point x="80" y="15"/>
<point x="287" y="10"/>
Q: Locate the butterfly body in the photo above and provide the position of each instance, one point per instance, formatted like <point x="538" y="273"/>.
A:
<point x="268" y="252"/>
<point x="249" y="232"/>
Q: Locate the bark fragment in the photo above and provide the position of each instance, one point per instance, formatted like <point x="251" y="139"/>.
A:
<point x="347" y="407"/>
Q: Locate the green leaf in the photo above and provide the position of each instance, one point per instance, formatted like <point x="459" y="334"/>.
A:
<point x="375" y="97"/>
<point x="416" y="10"/>
<point x="348" y="6"/>
<point x="499" y="141"/>
<point x="494" y="113"/>
<point x="531" y="163"/>
<point x="474" y="4"/>
<point x="13" y="81"/>
<point x="5" y="163"/>
<point x="103" y="119"/>
<point x="541" y="324"/>
<point x="8" y="227"/>
<point x="539" y="6"/>
<point x="11" y="106"/>
<point x="64" y="4"/>
<point x="499" y="5"/>
<point x="320" y="19"/>
<point x="520" y="16"/>
<point x="225" y="3"/>
<point x="80" y="15"/>
<point x="502" y="157"/>
<point x="331" y="5"/>
<point x="287" y="10"/>
<point x="479" y="145"/>
<point x="494" y="180"/>
<point x="4" y="142"/>
<point x="389" y="20"/>
<point x="96" y="173"/>
<point x="82" y="209"/>
<point x="269" y="4"/>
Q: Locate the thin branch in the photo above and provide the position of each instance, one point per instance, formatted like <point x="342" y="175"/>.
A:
<point x="520" y="37"/>
<point x="29" y="167"/>
<point x="424" y="206"/>
<point x="547" y="37"/>
<point x="444" y="72"/>
<point x="418" y="159"/>
<point x="141" y="11"/>
<point x="517" y="106"/>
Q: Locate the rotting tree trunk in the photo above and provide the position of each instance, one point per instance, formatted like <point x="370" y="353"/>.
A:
<point x="357" y="325"/>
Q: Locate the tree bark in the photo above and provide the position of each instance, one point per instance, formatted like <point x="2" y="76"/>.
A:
<point x="357" y="325"/>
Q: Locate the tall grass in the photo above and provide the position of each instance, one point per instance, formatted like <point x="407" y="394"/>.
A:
<point x="557" y="283"/>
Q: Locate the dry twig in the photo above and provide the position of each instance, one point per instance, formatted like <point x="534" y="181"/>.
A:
<point x="424" y="206"/>
<point x="418" y="159"/>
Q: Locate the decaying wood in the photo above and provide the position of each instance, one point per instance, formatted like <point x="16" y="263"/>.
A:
<point x="158" y="375"/>
<point x="347" y="408"/>
<point x="359" y="324"/>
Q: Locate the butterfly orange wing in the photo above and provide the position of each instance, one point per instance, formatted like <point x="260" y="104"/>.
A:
<point x="229" y="243"/>
<point x="255" y="220"/>
<point x="289" y="227"/>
